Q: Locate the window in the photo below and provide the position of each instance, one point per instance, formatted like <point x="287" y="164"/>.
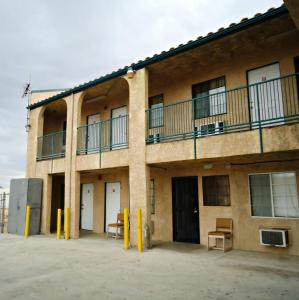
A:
<point x="210" y="98"/>
<point x="156" y="112"/>
<point x="274" y="195"/>
<point x="153" y="196"/>
<point x="216" y="190"/>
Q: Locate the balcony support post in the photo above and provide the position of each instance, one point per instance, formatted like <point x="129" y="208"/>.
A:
<point x="139" y="171"/>
<point x="259" y="119"/>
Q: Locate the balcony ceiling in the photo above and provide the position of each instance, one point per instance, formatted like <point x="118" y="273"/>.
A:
<point x="227" y="49"/>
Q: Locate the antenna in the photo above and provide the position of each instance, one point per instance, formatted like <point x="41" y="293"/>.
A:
<point x="26" y="93"/>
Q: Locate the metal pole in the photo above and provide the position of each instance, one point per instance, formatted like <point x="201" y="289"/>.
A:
<point x="139" y="230"/>
<point x="58" y="223"/>
<point x="126" y="229"/>
<point x="67" y="223"/>
<point x="194" y="133"/>
<point x="27" y="221"/>
<point x="259" y="119"/>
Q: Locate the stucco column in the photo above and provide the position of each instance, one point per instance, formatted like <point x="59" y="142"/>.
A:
<point x="36" y="120"/>
<point x="138" y="170"/>
<point x="46" y="204"/>
<point x="72" y="177"/>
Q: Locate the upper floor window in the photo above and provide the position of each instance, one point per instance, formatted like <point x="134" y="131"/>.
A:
<point x="274" y="195"/>
<point x="210" y="99"/>
<point x="156" y="112"/>
<point x="216" y="191"/>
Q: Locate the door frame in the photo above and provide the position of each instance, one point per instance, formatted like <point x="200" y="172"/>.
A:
<point x="86" y="138"/>
<point x="173" y="211"/>
<point x="81" y="198"/>
<point x="111" y="131"/>
<point x="105" y="199"/>
<point x="248" y="93"/>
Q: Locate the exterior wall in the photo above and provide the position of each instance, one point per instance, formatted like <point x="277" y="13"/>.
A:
<point x="99" y="194"/>
<point x="104" y="107"/>
<point x="264" y="52"/>
<point x="274" y="139"/>
<point x="234" y="61"/>
<point x="245" y="227"/>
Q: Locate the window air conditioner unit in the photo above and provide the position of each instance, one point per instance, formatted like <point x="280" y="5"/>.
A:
<point x="154" y="138"/>
<point x="209" y="129"/>
<point x="274" y="237"/>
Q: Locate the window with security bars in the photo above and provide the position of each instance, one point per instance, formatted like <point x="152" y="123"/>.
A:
<point x="209" y="98"/>
<point x="153" y="196"/>
<point x="216" y="190"/>
<point x="156" y="112"/>
<point x="274" y="195"/>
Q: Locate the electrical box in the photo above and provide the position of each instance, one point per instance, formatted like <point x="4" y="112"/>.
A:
<point x="23" y="192"/>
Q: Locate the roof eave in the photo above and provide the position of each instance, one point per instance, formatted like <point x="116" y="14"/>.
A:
<point x="167" y="54"/>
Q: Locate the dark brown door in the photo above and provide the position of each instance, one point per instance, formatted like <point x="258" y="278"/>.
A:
<point x="185" y="209"/>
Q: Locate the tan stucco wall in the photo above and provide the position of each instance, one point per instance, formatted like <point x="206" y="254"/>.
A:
<point x="245" y="227"/>
<point x="175" y="82"/>
<point x="37" y="96"/>
<point x="99" y="182"/>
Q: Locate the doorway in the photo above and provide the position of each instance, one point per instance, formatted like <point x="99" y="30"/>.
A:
<point x="112" y="203"/>
<point x="119" y="128"/>
<point x="87" y="206"/>
<point x="185" y="209"/>
<point x="265" y="99"/>
<point x="57" y="200"/>
<point x="92" y="137"/>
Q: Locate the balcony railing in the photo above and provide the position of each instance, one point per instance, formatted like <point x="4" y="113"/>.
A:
<point x="268" y="103"/>
<point x="51" y="145"/>
<point x="103" y="136"/>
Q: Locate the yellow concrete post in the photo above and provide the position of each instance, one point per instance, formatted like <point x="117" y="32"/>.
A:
<point x="27" y="221"/>
<point x="126" y="229"/>
<point x="139" y="230"/>
<point x="67" y="223"/>
<point x="58" y="223"/>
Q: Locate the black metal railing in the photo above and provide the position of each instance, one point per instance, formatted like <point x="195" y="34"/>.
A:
<point x="268" y="103"/>
<point x="51" y="145"/>
<point x="103" y="136"/>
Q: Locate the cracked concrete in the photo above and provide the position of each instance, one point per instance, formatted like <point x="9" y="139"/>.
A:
<point x="96" y="268"/>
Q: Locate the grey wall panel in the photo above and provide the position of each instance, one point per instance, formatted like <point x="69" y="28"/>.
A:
<point x="35" y="192"/>
<point x="24" y="192"/>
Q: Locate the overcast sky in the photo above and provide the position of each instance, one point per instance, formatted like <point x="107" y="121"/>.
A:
<point x="61" y="43"/>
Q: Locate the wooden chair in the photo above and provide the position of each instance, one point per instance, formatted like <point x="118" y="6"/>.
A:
<point x="224" y="231"/>
<point x="118" y="225"/>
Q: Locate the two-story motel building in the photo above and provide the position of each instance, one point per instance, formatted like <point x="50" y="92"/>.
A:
<point x="206" y="130"/>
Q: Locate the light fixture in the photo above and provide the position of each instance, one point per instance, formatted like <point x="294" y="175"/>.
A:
<point x="130" y="73"/>
<point x="208" y="166"/>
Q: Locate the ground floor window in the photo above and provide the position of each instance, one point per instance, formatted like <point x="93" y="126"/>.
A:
<point x="274" y="195"/>
<point x="216" y="190"/>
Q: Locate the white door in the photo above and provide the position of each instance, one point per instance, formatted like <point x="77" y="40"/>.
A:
<point x="93" y="134"/>
<point x="119" y="128"/>
<point x="112" y="203"/>
<point x="267" y="95"/>
<point x="87" y="207"/>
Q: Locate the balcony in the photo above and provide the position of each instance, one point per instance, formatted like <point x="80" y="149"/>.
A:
<point x="264" y="104"/>
<point x="51" y="145"/>
<point x="103" y="136"/>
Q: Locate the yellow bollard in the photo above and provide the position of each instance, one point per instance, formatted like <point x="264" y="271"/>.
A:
<point x="139" y="230"/>
<point x="126" y="229"/>
<point x="67" y="223"/>
<point x="58" y="223"/>
<point x="27" y="221"/>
